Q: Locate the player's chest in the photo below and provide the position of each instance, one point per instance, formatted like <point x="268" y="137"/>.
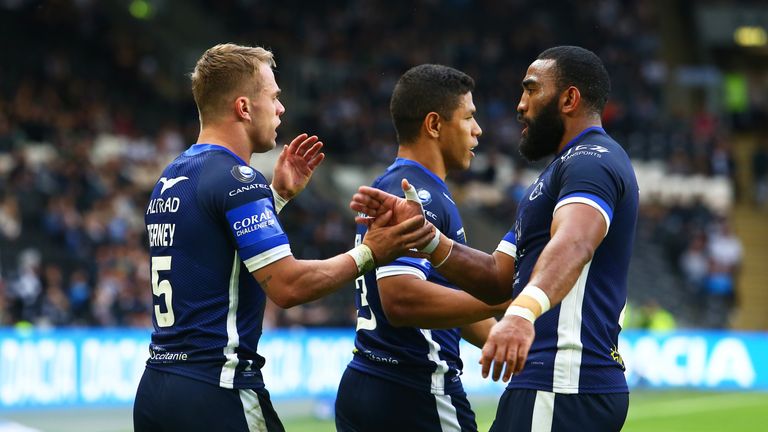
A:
<point x="534" y="212"/>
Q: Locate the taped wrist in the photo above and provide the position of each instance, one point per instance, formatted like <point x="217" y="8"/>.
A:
<point x="363" y="257"/>
<point x="530" y="304"/>
<point x="280" y="202"/>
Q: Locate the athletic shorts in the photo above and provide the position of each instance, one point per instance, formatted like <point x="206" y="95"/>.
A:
<point x="541" y="411"/>
<point x="366" y="403"/>
<point x="171" y="403"/>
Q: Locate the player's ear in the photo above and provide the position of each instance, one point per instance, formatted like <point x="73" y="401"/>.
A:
<point x="243" y="108"/>
<point x="570" y="99"/>
<point x="432" y="124"/>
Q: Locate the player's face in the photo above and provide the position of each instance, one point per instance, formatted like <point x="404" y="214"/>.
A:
<point x="539" y="111"/>
<point x="458" y="136"/>
<point x="266" y="110"/>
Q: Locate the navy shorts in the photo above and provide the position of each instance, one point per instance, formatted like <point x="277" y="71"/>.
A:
<point x="171" y="403"/>
<point x="366" y="403"/>
<point x="541" y="411"/>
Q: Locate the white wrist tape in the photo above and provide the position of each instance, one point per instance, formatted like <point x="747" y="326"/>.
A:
<point x="363" y="257"/>
<point x="432" y="245"/>
<point x="280" y="202"/>
<point x="521" y="312"/>
<point x="537" y="294"/>
<point x="412" y="195"/>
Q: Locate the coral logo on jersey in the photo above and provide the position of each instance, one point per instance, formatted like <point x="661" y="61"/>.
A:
<point x="424" y="196"/>
<point x="537" y="191"/>
<point x="243" y="173"/>
<point x="584" y="149"/>
<point x="254" y="222"/>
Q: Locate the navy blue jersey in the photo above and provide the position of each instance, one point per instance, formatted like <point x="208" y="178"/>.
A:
<point x="575" y="349"/>
<point x="427" y="360"/>
<point x="211" y="222"/>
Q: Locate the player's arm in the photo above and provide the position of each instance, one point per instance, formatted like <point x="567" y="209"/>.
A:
<point x="294" y="168"/>
<point x="289" y="282"/>
<point x="576" y="232"/>
<point x="486" y="277"/>
<point x="409" y="301"/>
<point x="477" y="332"/>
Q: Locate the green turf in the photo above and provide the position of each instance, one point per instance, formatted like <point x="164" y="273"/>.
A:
<point x="649" y="412"/>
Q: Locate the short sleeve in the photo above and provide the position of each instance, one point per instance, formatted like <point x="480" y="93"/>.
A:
<point x="588" y="177"/>
<point x="241" y="196"/>
<point x="405" y="266"/>
<point x="508" y="245"/>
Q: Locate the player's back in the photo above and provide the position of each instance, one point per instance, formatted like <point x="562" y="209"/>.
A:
<point x="208" y="307"/>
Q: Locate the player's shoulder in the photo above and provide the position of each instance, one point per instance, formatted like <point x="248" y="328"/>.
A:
<point x="594" y="149"/>
<point x="224" y="172"/>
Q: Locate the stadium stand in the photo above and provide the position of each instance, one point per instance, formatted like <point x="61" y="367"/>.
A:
<point x="93" y="107"/>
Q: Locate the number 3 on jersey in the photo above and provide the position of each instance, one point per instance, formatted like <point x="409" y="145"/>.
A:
<point x="362" y="322"/>
<point x="162" y="288"/>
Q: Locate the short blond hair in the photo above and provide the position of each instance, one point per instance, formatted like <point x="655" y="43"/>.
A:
<point x="223" y="70"/>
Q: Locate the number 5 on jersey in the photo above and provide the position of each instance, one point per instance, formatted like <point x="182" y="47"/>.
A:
<point x="162" y="288"/>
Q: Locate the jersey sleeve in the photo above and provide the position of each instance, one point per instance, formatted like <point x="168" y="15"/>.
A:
<point x="242" y="196"/>
<point x="588" y="177"/>
<point x="508" y="245"/>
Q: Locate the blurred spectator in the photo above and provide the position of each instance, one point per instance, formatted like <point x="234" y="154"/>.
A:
<point x="760" y="173"/>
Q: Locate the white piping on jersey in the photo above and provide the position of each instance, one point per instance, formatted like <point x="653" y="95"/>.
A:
<point x="569" y="345"/>
<point x="589" y="202"/>
<point x="397" y="270"/>
<point x="267" y="257"/>
<point x="449" y="420"/>
<point x="543" y="411"/>
<point x="227" y="378"/>
<point x="254" y="416"/>
<point x="507" y="248"/>
<point x="438" y="376"/>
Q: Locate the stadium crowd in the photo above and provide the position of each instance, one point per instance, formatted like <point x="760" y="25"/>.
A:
<point x="87" y="123"/>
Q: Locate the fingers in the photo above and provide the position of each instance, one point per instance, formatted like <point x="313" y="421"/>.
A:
<point x="511" y="362"/>
<point x="420" y="237"/>
<point x="382" y="220"/>
<point x="486" y="358"/>
<point x="294" y="145"/>
<point x="364" y="220"/>
<point x="312" y="151"/>
<point x="316" y="160"/>
<point x="409" y="191"/>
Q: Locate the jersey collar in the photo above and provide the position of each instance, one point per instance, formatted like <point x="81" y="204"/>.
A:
<point x="578" y="137"/>
<point x="405" y="162"/>
<point x="196" y="149"/>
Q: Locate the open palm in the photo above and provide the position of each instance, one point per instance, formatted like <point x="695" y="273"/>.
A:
<point x="296" y="164"/>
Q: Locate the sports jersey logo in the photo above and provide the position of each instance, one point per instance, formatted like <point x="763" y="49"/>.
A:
<point x="243" y="173"/>
<point x="169" y="183"/>
<point x="537" y="191"/>
<point x="424" y="196"/>
<point x="587" y="149"/>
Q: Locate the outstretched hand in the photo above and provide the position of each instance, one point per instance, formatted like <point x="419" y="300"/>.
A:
<point x="296" y="164"/>
<point x="507" y="345"/>
<point x="389" y="241"/>
<point x="372" y="203"/>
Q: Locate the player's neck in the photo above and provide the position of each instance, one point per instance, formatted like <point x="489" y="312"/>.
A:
<point x="427" y="155"/>
<point x="575" y="127"/>
<point x="227" y="138"/>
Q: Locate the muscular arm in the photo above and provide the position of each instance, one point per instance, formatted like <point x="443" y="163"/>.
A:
<point x="486" y="277"/>
<point x="289" y="282"/>
<point x="577" y="230"/>
<point x="413" y="302"/>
